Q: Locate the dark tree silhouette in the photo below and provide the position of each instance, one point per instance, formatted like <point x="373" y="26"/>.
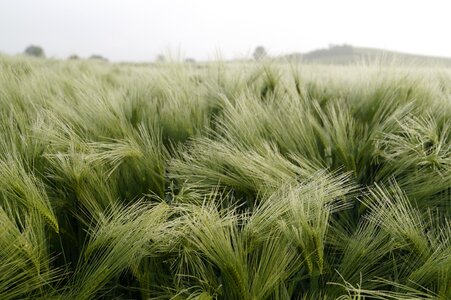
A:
<point x="98" y="57"/>
<point x="36" y="51"/>
<point x="259" y="53"/>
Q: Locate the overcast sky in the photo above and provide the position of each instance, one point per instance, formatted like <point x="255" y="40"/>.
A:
<point x="139" y="30"/>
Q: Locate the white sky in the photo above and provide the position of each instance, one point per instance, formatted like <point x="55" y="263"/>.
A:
<point x="139" y="30"/>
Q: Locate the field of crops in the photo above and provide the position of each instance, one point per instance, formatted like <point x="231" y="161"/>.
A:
<point x="223" y="181"/>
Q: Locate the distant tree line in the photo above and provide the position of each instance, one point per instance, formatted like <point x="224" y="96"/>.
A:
<point x="37" y="51"/>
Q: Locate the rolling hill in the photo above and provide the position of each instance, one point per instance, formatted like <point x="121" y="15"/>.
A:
<point x="346" y="54"/>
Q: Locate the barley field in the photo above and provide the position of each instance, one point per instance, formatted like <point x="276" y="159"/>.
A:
<point x="224" y="181"/>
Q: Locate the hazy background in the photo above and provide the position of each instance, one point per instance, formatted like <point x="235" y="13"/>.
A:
<point x="139" y="30"/>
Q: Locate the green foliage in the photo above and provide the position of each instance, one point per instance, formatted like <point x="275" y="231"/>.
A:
<point x="223" y="181"/>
